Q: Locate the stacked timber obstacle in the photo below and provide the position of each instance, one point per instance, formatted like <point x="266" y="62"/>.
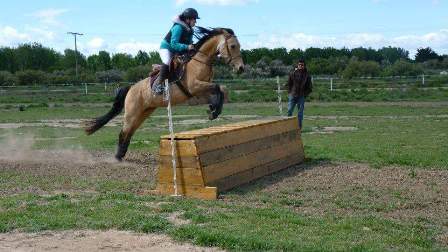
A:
<point x="216" y="159"/>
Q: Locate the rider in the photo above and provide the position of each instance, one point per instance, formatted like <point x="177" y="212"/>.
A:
<point x="179" y="40"/>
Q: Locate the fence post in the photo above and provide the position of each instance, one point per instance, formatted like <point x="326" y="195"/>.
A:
<point x="85" y="87"/>
<point x="423" y="79"/>
<point x="331" y="84"/>
<point x="105" y="87"/>
<point x="280" y="107"/>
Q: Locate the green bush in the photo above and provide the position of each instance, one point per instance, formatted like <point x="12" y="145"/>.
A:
<point x="109" y="76"/>
<point x="403" y="68"/>
<point x="28" y="77"/>
<point x="137" y="73"/>
<point x="7" y="79"/>
<point x="357" y="68"/>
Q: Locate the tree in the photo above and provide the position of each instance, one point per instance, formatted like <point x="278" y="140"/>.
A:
<point x="8" y="60"/>
<point x="104" y="61"/>
<point x="424" y="54"/>
<point x="122" y="61"/>
<point x="142" y="58"/>
<point x="92" y="62"/>
<point x="69" y="59"/>
<point x="35" y="56"/>
<point x="392" y="54"/>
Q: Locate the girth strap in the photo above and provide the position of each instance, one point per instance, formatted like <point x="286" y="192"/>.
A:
<point x="183" y="88"/>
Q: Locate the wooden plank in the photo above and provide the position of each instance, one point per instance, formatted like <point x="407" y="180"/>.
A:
<point x="199" y="192"/>
<point x="182" y="161"/>
<point x="212" y="142"/>
<point x="225" y="128"/>
<point x="231" y="152"/>
<point x="220" y="170"/>
<point x="183" y="148"/>
<point x="185" y="176"/>
<point x="257" y="172"/>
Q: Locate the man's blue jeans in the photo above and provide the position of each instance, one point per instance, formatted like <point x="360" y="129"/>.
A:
<point x="300" y="102"/>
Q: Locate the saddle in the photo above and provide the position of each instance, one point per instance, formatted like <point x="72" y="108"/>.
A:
<point x="177" y="69"/>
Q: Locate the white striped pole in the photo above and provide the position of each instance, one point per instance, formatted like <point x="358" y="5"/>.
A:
<point x="280" y="107"/>
<point x="173" y="143"/>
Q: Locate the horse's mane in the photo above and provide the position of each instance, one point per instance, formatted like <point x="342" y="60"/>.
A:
<point x="204" y="34"/>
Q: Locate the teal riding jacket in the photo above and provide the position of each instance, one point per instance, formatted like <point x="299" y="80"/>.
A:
<point x="177" y="39"/>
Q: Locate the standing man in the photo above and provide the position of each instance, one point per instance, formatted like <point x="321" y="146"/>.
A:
<point x="179" y="40"/>
<point x="299" y="87"/>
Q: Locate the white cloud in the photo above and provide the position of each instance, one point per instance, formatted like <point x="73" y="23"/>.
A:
<point x="49" y="16"/>
<point x="10" y="36"/>
<point x="217" y="2"/>
<point x="133" y="47"/>
<point x="436" y="40"/>
<point x="96" y="43"/>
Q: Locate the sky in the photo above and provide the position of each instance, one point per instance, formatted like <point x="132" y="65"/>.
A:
<point x="132" y="25"/>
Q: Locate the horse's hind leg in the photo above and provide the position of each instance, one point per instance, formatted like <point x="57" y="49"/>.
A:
<point x="131" y="123"/>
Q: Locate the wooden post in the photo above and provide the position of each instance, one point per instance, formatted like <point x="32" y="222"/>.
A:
<point x="331" y="84"/>
<point x="423" y="80"/>
<point x="85" y="87"/>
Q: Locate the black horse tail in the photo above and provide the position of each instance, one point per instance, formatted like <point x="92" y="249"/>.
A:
<point x="95" y="124"/>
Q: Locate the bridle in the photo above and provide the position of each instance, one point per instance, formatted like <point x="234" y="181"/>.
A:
<point x="228" y="56"/>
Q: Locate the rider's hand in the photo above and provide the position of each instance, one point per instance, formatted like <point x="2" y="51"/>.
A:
<point x="190" y="47"/>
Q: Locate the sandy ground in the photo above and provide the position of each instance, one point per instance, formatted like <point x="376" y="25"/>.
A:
<point x="87" y="240"/>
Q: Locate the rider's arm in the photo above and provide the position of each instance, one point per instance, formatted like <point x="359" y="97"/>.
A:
<point x="176" y="32"/>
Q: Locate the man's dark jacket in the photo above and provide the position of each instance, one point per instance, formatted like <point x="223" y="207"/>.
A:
<point x="299" y="83"/>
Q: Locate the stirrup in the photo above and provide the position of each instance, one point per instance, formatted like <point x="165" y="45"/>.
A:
<point x="157" y="89"/>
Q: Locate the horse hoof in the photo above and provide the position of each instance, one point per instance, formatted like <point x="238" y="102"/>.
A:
<point x="119" y="159"/>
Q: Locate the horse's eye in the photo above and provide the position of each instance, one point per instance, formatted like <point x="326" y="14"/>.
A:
<point x="233" y="46"/>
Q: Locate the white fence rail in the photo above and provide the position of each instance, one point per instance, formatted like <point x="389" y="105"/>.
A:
<point x="274" y="84"/>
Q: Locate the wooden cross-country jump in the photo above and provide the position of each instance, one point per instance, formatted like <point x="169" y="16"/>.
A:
<point x="215" y="159"/>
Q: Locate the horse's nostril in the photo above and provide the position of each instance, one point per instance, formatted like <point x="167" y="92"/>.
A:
<point x="241" y="69"/>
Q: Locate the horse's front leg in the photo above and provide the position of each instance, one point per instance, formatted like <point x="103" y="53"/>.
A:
<point x="216" y="96"/>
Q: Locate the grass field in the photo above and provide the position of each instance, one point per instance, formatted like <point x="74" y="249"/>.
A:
<point x="376" y="178"/>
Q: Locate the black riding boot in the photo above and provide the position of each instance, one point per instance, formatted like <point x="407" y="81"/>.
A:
<point x="159" y="84"/>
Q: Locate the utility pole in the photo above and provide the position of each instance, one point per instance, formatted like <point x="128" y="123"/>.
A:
<point x="76" y="51"/>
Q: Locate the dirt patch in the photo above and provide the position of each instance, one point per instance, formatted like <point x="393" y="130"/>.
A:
<point x="60" y="123"/>
<point x="376" y="104"/>
<point x="73" y="167"/>
<point x="87" y="240"/>
<point x="176" y="219"/>
<point x="330" y="130"/>
<point x="392" y="117"/>
<point x="356" y="189"/>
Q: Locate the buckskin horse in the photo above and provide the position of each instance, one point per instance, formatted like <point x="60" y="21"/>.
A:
<point x="139" y="102"/>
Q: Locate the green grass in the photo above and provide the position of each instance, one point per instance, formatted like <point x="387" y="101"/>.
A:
<point x="250" y="217"/>
<point x="386" y="134"/>
<point x="231" y="226"/>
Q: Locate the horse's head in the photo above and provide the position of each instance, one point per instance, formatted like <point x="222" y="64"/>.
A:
<point x="230" y="50"/>
<point x="221" y="42"/>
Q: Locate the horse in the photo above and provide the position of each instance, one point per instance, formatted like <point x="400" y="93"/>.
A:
<point x="139" y="102"/>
